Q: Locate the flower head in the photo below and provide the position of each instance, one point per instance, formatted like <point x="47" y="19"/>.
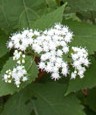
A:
<point x="79" y="61"/>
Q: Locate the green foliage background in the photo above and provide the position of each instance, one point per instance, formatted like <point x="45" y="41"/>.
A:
<point x="44" y="96"/>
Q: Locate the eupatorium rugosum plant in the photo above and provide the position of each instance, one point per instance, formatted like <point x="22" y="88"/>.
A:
<point x="51" y="46"/>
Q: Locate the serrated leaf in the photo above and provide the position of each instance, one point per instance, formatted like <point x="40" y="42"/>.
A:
<point x="88" y="81"/>
<point x="49" y="19"/>
<point x="21" y="14"/>
<point x="44" y="99"/>
<point x="6" y="88"/>
<point x="84" y="35"/>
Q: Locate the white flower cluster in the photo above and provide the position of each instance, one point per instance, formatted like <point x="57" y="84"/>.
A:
<point x="23" y="40"/>
<point x="51" y="45"/>
<point x="80" y="61"/>
<point x="19" y="73"/>
<point x="20" y="42"/>
<point x="19" y="57"/>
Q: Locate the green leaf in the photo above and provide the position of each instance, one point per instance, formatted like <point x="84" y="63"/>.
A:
<point x="3" y="43"/>
<point x="91" y="99"/>
<point x="3" y="60"/>
<point x="31" y="68"/>
<point x="84" y="35"/>
<point x="18" y="106"/>
<point x="49" y="19"/>
<point x="20" y="13"/>
<point x="88" y="81"/>
<point x="6" y="88"/>
<point x="51" y="3"/>
<point x="82" y="5"/>
<point x="44" y="99"/>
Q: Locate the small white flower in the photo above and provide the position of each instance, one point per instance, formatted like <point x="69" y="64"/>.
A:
<point x="59" y="53"/>
<point x="18" y="62"/>
<point x="58" y="26"/>
<point x="86" y="62"/>
<point x="10" y="45"/>
<point x="44" y="57"/>
<point x="42" y="65"/>
<point x="55" y="76"/>
<point x="63" y="43"/>
<point x="68" y="37"/>
<point x="58" y="65"/>
<point x="64" y="69"/>
<point x="74" y="56"/>
<point x="59" y="60"/>
<point x="49" y="68"/>
<point x="36" y="33"/>
<point x="17" y="83"/>
<point x="5" y="76"/>
<point x="16" y="55"/>
<point x="76" y="63"/>
<point x="65" y="49"/>
<point x="73" y="75"/>
<point x="24" y="78"/>
<point x="37" y="48"/>
<point x="46" y="48"/>
<point x="52" y="59"/>
<point x="9" y="81"/>
<point x="65" y="29"/>
<point x="55" y="69"/>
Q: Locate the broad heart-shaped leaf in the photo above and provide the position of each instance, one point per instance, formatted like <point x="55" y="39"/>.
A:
<point x="49" y="19"/>
<point x="43" y="99"/>
<point x="20" y="12"/>
<point x="6" y="88"/>
<point x="88" y="81"/>
<point x="84" y="35"/>
<point x="82" y="5"/>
